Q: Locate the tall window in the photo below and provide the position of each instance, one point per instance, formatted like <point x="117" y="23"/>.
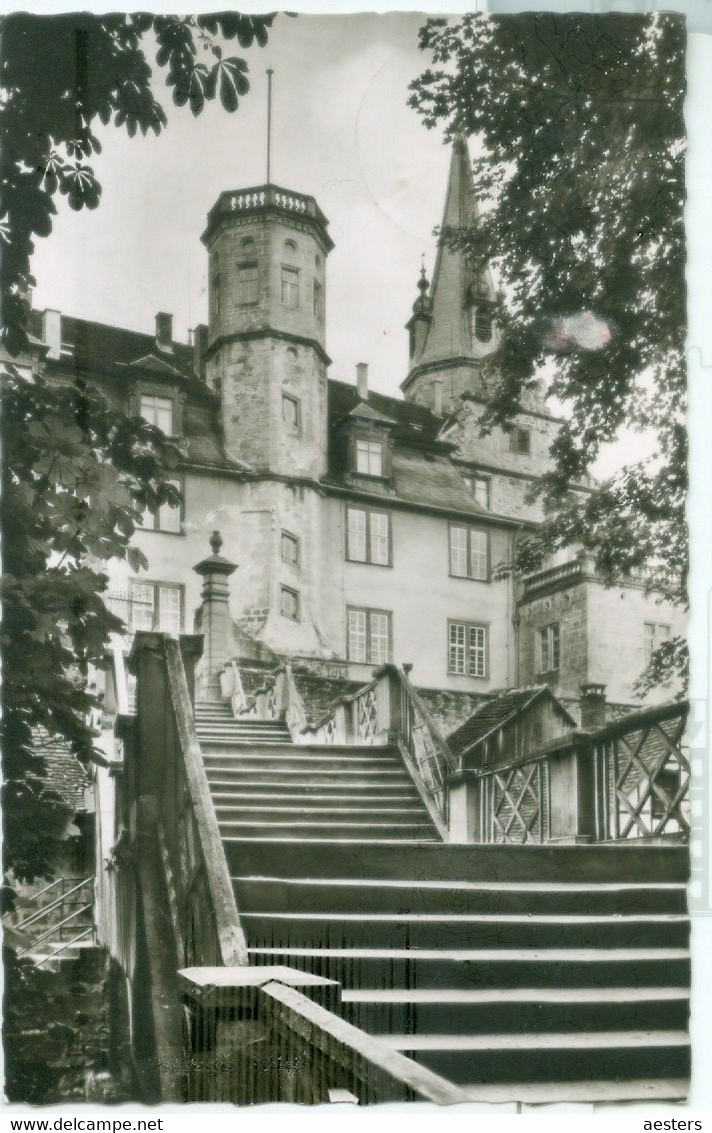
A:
<point x="291" y="411"/>
<point x="519" y="440"/>
<point x="655" y="634"/>
<point x="369" y="458"/>
<point x="215" y="275"/>
<point x="467" y="649"/>
<point x="158" y="411"/>
<point x="156" y="606"/>
<point x="481" y="324"/>
<point x="290" y="287"/>
<point x="318" y="301"/>
<point x="248" y="283"/>
<point x="289" y="603"/>
<point x="165" y="518"/>
<point x="469" y="553"/>
<point x="368" y="536"/>
<point x="369" y="636"/>
<point x="290" y="549"/>
<point x="547" y="648"/>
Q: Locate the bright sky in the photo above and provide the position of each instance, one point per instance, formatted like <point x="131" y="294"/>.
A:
<point x="341" y="132"/>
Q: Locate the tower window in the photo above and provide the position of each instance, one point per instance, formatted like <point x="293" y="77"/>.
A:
<point x="291" y="411"/>
<point x="248" y="283"/>
<point x="547" y="648"/>
<point x="318" y="302"/>
<point x="290" y="549"/>
<point x="247" y="244"/>
<point x="290" y="246"/>
<point x="481" y="324"/>
<point x="369" y="458"/>
<point x="519" y="440"/>
<point x="655" y="634"/>
<point x="216" y="295"/>
<point x="289" y="603"/>
<point x="290" y="287"/>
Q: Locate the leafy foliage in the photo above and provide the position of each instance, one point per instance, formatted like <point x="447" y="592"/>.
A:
<point x="580" y="123"/>
<point x="77" y="476"/>
<point x="59" y="76"/>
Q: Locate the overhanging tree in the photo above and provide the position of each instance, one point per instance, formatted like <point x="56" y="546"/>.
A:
<point x="579" y="120"/>
<point x="61" y="78"/>
<point x="76" y="475"/>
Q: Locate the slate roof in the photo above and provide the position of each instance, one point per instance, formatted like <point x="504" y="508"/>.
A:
<point x="64" y="774"/>
<point x="320" y="695"/>
<point x="492" y="713"/>
<point x="413" y="422"/>
<point x="98" y="346"/>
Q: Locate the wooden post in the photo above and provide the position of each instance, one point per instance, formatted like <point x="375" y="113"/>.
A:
<point x="464" y="808"/>
<point x="215" y="618"/>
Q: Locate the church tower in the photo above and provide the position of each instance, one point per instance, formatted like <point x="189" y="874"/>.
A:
<point x="452" y="330"/>
<point x="265" y="352"/>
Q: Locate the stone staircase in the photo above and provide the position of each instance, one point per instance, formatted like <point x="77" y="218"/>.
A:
<point x="531" y="973"/>
<point x="263" y="786"/>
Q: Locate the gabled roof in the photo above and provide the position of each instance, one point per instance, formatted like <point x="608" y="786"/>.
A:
<point x="493" y="714"/>
<point x="365" y="412"/>
<point x="413" y="422"/>
<point x="154" y="364"/>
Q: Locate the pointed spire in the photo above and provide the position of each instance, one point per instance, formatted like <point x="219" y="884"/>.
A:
<point x="449" y="335"/>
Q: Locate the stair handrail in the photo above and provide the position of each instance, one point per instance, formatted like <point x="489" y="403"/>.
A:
<point x="56" y="903"/>
<point x="53" y="928"/>
<point x="231" y="941"/>
<point x="65" y="945"/>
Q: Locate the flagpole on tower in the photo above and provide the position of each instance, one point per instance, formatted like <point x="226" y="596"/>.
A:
<point x="270" y="72"/>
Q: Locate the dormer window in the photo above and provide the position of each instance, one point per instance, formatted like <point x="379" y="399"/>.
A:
<point x="158" y="411"/>
<point x="481" y="324"/>
<point x="369" y="457"/>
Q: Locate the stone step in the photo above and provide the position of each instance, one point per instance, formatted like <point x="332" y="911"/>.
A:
<point x="528" y="1010"/>
<point x="314" y="797"/>
<point x="271" y="760"/>
<point x="309" y="780"/>
<point x="369" y="895"/>
<point x="549" y="1057"/>
<point x="314" y="755"/>
<point x="490" y="930"/>
<point x="453" y="863"/>
<point x="228" y="810"/>
<point x="336" y="830"/>
<point x="485" y="969"/>
<point x="583" y="1092"/>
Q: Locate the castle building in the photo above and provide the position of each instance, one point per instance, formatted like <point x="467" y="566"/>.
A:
<point x="365" y="528"/>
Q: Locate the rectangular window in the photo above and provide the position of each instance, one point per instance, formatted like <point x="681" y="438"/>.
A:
<point x="547" y="648"/>
<point x="248" y="283"/>
<point x="480" y="488"/>
<point x="289" y="603"/>
<point x="290" y="549"/>
<point x="290" y="287"/>
<point x="369" y="458"/>
<point x="158" y="411"/>
<point x="368" y="536"/>
<point x="291" y="411"/>
<point x="165" y="518"/>
<point x="318" y="300"/>
<point x="655" y="634"/>
<point x="156" y="606"/>
<point x="467" y="649"/>
<point x="216" y="295"/>
<point x="469" y="553"/>
<point x="519" y="440"/>
<point x="369" y="636"/>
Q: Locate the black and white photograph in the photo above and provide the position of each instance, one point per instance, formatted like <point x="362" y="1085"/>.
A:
<point x="349" y="749"/>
